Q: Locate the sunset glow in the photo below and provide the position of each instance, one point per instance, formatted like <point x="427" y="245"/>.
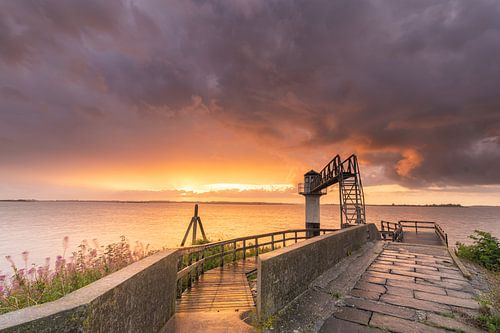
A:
<point x="146" y="101"/>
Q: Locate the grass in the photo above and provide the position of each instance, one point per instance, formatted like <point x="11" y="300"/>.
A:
<point x="32" y="285"/>
<point x="485" y="251"/>
<point x="489" y="318"/>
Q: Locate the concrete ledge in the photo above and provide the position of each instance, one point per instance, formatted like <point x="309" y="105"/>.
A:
<point x="286" y="273"/>
<point x="137" y="298"/>
<point x="459" y="263"/>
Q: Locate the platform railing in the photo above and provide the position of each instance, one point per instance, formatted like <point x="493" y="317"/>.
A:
<point x="388" y="226"/>
<point x="392" y="229"/>
<point x="412" y="224"/>
<point x="195" y="260"/>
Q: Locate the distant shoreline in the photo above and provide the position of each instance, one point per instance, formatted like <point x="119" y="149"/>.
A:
<point x="239" y="203"/>
<point x="156" y="201"/>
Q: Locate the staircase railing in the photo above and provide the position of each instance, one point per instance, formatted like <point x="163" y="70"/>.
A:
<point x="352" y="199"/>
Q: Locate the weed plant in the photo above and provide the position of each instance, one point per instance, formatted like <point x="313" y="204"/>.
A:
<point x="30" y="285"/>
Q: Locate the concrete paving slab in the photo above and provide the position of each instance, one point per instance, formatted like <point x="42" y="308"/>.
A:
<point x="416" y="286"/>
<point x="395" y="324"/>
<point x="354" y="315"/>
<point x="337" y="325"/>
<point x="415" y="303"/>
<point x="450" y="323"/>
<point x="449" y="300"/>
<point x="383" y="308"/>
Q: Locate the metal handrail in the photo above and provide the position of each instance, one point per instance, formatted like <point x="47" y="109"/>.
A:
<point x="192" y="259"/>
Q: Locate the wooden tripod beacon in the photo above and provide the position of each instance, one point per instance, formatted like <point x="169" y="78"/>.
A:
<point x="195" y="220"/>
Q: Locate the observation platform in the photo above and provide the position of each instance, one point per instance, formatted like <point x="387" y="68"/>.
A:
<point x="414" y="232"/>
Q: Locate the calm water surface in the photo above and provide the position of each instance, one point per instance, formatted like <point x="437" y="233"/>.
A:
<point x="39" y="227"/>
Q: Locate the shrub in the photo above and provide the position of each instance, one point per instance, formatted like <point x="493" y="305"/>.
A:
<point x="485" y="250"/>
<point x="490" y="322"/>
<point x="35" y="285"/>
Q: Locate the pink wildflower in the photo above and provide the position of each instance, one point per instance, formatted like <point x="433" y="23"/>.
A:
<point x="65" y="245"/>
<point x="59" y="264"/>
<point x="11" y="262"/>
<point x="32" y="273"/>
<point x="41" y="271"/>
<point x="25" y="255"/>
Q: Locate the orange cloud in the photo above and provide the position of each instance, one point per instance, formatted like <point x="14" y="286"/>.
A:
<point x="411" y="159"/>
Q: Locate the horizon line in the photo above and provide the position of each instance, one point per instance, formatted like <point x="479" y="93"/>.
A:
<point x="450" y="205"/>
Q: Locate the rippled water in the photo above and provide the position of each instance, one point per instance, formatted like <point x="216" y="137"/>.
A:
<point x="39" y="227"/>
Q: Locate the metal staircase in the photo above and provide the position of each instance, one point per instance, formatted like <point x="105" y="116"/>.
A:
<point x="352" y="201"/>
<point x="346" y="174"/>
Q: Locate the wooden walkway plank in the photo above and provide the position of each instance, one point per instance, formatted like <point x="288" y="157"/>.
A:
<point x="220" y="289"/>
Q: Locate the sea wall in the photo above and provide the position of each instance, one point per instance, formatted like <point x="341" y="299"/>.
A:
<point x="138" y="298"/>
<point x="286" y="273"/>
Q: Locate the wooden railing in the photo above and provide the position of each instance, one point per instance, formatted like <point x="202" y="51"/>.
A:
<point x="440" y="232"/>
<point x="399" y="227"/>
<point x="388" y="226"/>
<point x="195" y="260"/>
<point x="393" y="229"/>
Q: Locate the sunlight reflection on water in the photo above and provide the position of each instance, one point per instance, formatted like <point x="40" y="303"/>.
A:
<point x="39" y="227"/>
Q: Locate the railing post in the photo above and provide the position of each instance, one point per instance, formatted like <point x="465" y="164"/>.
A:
<point x="295" y="236"/>
<point x="244" y="249"/>
<point x="256" y="247"/>
<point x="179" y="288"/>
<point x="234" y="251"/>
<point x="179" y="282"/>
<point x="272" y="242"/>
<point x="284" y="239"/>
<point x="203" y="263"/>
<point x="197" y="270"/>
<point x="190" y="275"/>
<point x="222" y="255"/>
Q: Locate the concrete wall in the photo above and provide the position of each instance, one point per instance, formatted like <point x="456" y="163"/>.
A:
<point x="138" y="298"/>
<point x="286" y="273"/>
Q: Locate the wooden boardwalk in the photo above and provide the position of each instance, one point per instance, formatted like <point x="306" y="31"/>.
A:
<point x="422" y="237"/>
<point x="220" y="289"/>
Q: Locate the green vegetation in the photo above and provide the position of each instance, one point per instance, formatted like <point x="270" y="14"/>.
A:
<point x="489" y="317"/>
<point x="336" y="294"/>
<point x="36" y="285"/>
<point x="268" y="323"/>
<point x="490" y="322"/>
<point x="485" y="251"/>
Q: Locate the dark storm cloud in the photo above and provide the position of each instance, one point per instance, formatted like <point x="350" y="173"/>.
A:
<point x="412" y="86"/>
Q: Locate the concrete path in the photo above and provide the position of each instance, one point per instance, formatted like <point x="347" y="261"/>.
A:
<point x="310" y="310"/>
<point x="408" y="288"/>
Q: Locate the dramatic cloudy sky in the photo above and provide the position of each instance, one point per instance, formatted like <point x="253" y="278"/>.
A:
<point x="235" y="100"/>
